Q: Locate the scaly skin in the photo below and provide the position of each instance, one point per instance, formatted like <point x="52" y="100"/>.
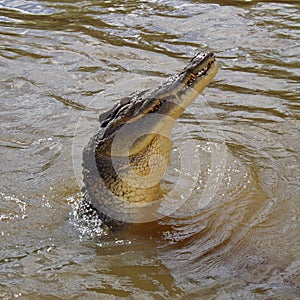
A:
<point x="125" y="160"/>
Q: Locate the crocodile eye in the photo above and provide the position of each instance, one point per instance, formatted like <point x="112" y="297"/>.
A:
<point x="154" y="108"/>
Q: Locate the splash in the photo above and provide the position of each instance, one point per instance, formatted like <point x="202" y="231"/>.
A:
<point x="85" y="219"/>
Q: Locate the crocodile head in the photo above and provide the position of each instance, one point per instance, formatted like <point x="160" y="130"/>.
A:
<point x="125" y="160"/>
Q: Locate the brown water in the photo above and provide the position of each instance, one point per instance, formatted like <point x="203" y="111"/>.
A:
<point x="237" y="236"/>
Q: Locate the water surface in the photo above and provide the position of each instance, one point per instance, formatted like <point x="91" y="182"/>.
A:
<point x="237" y="237"/>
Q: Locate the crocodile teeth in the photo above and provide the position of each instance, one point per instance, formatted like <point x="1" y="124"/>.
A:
<point x="200" y="73"/>
<point x="203" y="71"/>
<point x="190" y="82"/>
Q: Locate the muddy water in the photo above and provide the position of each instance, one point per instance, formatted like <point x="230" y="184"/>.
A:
<point x="236" y="234"/>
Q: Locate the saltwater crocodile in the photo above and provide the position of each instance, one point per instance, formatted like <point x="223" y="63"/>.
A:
<point x="125" y="160"/>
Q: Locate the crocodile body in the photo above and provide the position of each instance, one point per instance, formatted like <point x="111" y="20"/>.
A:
<point x="125" y="160"/>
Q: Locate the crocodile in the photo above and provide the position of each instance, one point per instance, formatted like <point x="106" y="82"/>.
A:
<point x="125" y="160"/>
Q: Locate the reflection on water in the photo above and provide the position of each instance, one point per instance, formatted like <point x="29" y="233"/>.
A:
<point x="64" y="62"/>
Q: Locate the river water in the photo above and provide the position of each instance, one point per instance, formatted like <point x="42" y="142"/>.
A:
<point x="236" y="235"/>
